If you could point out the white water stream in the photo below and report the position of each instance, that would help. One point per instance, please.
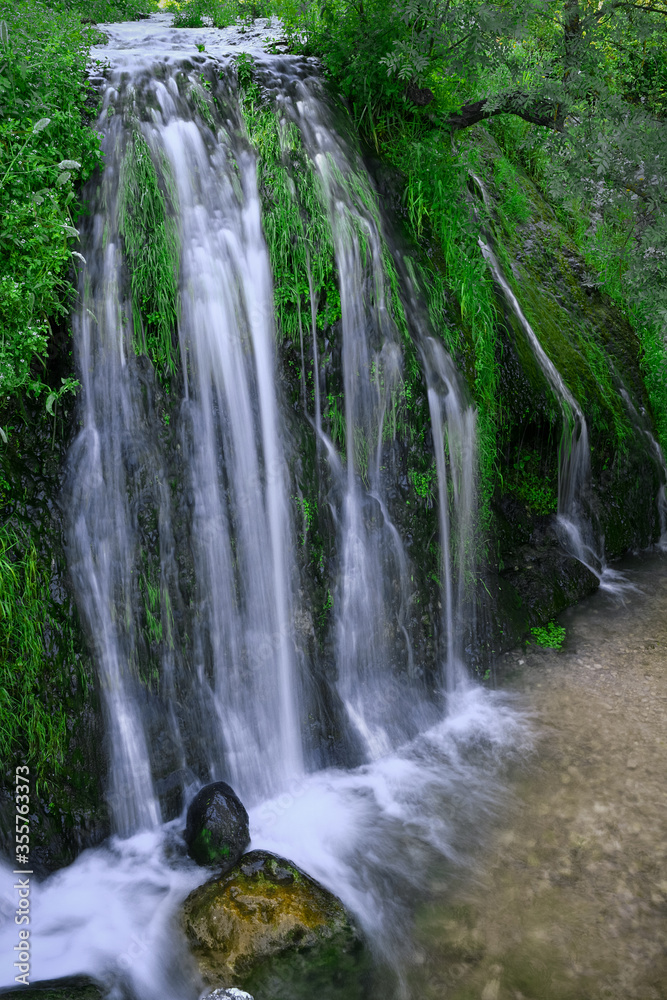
(574, 469)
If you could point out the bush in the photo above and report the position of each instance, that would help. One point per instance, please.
(45, 150)
(218, 13)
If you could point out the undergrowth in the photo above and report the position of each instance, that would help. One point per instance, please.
(46, 150)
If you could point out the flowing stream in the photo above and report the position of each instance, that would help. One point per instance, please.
(427, 749)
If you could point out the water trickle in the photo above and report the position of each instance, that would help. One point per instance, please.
(574, 461)
(661, 499)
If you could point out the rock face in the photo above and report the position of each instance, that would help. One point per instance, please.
(216, 830)
(276, 932)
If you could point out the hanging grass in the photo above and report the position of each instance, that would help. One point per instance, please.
(37, 663)
(152, 252)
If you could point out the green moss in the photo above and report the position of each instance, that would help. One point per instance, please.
(272, 929)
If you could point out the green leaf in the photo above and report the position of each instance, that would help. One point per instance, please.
(69, 165)
(50, 400)
(41, 125)
(63, 178)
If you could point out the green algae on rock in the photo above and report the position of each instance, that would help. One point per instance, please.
(269, 928)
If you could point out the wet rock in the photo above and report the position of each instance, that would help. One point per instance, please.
(216, 830)
(230, 994)
(269, 927)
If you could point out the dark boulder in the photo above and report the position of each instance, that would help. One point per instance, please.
(216, 830)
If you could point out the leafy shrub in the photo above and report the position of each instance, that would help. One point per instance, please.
(99, 11)
(45, 149)
(218, 13)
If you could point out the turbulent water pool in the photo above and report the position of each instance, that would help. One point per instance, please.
(569, 899)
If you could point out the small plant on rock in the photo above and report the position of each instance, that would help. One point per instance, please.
(549, 636)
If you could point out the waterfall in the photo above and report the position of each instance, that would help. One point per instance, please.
(574, 462)
(105, 461)
(178, 509)
(241, 528)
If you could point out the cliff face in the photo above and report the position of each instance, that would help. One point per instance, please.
(51, 710)
(522, 574)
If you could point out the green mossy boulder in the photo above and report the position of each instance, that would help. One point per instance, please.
(269, 928)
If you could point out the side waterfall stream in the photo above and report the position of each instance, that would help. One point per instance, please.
(420, 769)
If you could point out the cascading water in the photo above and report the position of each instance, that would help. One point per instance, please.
(106, 455)
(241, 527)
(451, 417)
(655, 448)
(381, 698)
(574, 468)
(230, 701)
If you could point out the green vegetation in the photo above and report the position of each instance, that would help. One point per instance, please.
(594, 139)
(152, 252)
(308, 511)
(218, 13)
(295, 223)
(45, 147)
(39, 668)
(549, 636)
(423, 482)
(532, 483)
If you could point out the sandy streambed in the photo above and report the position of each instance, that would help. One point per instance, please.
(570, 900)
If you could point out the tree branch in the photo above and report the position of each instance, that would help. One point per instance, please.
(539, 113)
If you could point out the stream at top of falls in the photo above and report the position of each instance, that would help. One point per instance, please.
(423, 769)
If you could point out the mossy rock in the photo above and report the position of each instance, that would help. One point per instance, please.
(70, 988)
(217, 830)
(269, 928)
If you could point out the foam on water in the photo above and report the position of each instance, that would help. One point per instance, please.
(375, 835)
